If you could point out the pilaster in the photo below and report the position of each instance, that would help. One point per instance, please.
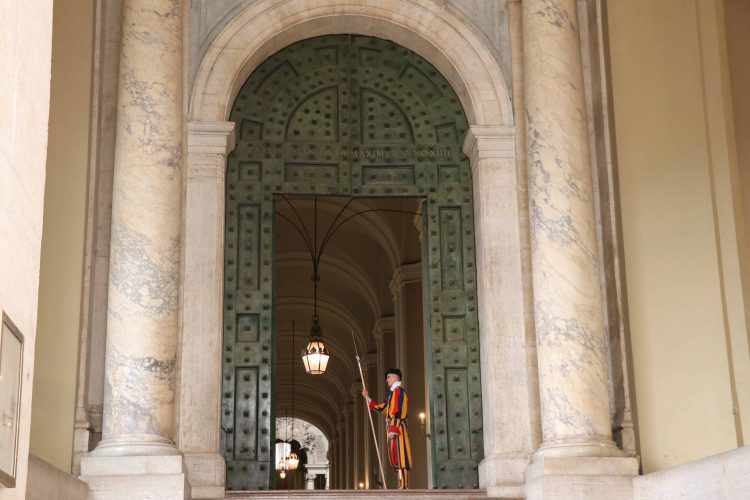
(208, 145)
(507, 353)
(404, 275)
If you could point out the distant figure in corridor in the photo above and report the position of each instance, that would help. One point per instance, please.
(395, 407)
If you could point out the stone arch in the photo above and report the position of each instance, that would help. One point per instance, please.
(463, 58)
(425, 27)
(311, 413)
(389, 100)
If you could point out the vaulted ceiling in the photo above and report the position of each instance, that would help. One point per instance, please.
(353, 293)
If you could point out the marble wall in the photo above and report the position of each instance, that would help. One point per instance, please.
(25, 55)
(63, 239)
(681, 228)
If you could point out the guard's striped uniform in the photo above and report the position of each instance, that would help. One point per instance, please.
(399, 451)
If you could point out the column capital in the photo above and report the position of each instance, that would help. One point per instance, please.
(210, 138)
(370, 359)
(348, 411)
(383, 324)
(356, 389)
(404, 274)
(418, 223)
(496, 141)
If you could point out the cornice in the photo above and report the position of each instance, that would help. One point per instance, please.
(210, 138)
(483, 142)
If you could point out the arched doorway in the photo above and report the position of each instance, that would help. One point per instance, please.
(312, 447)
(361, 117)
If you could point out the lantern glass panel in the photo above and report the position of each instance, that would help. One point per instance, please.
(282, 452)
(292, 461)
(315, 357)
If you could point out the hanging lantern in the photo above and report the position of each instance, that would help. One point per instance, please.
(283, 450)
(282, 474)
(292, 461)
(315, 355)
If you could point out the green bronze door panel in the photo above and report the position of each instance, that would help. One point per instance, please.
(363, 117)
(248, 341)
(454, 369)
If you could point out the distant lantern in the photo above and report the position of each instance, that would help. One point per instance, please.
(292, 461)
(315, 355)
(283, 450)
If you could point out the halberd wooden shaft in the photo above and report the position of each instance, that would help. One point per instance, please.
(369, 414)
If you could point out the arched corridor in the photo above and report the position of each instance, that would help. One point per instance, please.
(376, 128)
(360, 293)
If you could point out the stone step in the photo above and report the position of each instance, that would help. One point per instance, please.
(358, 495)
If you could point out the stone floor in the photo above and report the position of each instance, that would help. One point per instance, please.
(360, 495)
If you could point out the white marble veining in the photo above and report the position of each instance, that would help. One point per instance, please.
(145, 246)
(567, 298)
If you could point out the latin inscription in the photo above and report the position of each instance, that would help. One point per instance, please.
(397, 153)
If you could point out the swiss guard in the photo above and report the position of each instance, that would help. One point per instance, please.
(395, 407)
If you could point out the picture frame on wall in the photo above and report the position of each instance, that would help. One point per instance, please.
(11, 364)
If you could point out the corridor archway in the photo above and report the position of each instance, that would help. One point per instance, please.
(360, 117)
(460, 54)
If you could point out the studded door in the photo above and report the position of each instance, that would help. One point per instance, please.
(364, 117)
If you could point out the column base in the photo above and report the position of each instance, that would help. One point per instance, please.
(135, 445)
(586, 446)
(573, 478)
(207, 474)
(135, 477)
(503, 475)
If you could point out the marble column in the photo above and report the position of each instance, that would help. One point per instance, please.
(413, 358)
(309, 481)
(339, 465)
(405, 276)
(344, 455)
(384, 333)
(567, 297)
(358, 444)
(341, 482)
(349, 431)
(141, 345)
(332, 462)
(571, 341)
(372, 473)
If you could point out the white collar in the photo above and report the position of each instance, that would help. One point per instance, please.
(395, 384)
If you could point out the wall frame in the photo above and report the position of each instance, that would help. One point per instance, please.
(11, 368)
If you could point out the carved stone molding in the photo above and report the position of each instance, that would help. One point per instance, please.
(210, 138)
(483, 142)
